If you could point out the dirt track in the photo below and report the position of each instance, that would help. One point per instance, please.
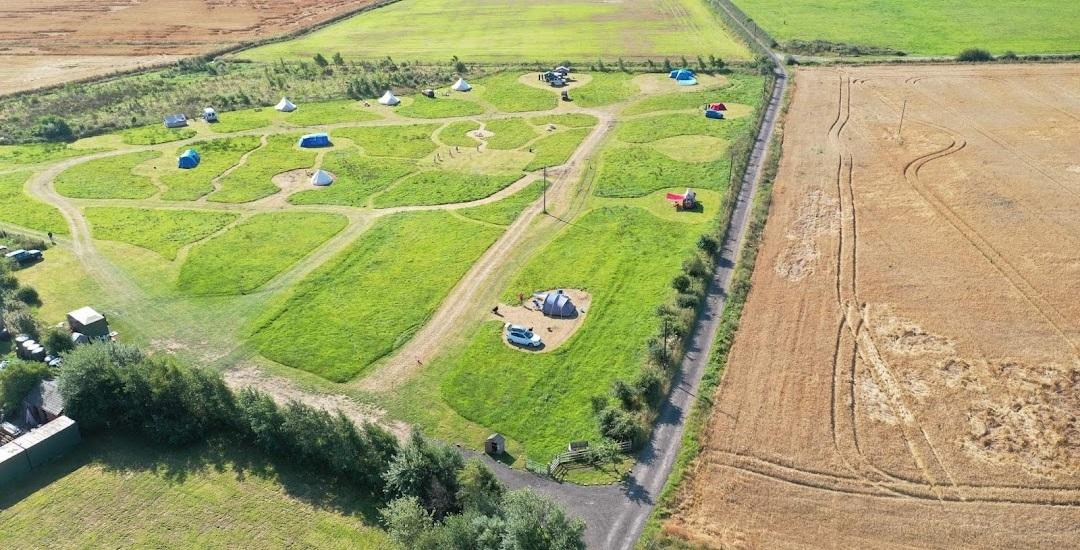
(907, 371)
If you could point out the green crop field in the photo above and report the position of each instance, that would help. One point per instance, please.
(216, 156)
(439, 107)
(408, 141)
(163, 231)
(519, 30)
(108, 178)
(505, 211)
(254, 179)
(373, 296)
(358, 178)
(248, 255)
(155, 134)
(443, 187)
(625, 258)
(113, 492)
(18, 208)
(328, 112)
(456, 134)
(510, 96)
(605, 89)
(510, 133)
(555, 149)
(925, 28)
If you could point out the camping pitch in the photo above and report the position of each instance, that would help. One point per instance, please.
(557, 304)
(461, 85)
(389, 99)
(683, 77)
(285, 105)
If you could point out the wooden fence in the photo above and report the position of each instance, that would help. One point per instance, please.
(563, 461)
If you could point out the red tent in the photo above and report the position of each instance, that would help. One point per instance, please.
(717, 107)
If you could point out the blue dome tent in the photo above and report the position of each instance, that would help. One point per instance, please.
(315, 140)
(714, 114)
(682, 74)
(189, 159)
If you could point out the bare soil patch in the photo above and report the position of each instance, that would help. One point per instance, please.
(907, 371)
(553, 330)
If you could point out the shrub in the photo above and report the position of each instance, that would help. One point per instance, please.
(681, 283)
(27, 295)
(975, 55)
(650, 385)
(54, 128)
(20, 321)
(16, 381)
(57, 340)
(708, 244)
(626, 395)
(696, 267)
(686, 301)
(618, 424)
(428, 471)
(479, 490)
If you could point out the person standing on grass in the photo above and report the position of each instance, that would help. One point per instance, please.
(51, 239)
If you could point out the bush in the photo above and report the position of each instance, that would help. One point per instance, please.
(27, 295)
(479, 490)
(708, 244)
(54, 128)
(16, 381)
(20, 321)
(618, 425)
(650, 385)
(681, 283)
(686, 301)
(428, 471)
(626, 395)
(975, 55)
(57, 340)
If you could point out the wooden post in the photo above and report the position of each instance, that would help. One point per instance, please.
(903, 111)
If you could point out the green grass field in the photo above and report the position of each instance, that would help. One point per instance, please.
(504, 212)
(625, 258)
(605, 89)
(328, 112)
(443, 187)
(248, 255)
(650, 129)
(638, 171)
(740, 89)
(439, 107)
(358, 178)
(510, 96)
(113, 492)
(519, 30)
(163, 231)
(216, 156)
(371, 298)
(154, 134)
(254, 179)
(107, 178)
(569, 120)
(925, 28)
(456, 134)
(555, 149)
(21, 156)
(18, 208)
(407, 141)
(510, 133)
(245, 119)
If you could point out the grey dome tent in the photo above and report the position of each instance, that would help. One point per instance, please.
(557, 304)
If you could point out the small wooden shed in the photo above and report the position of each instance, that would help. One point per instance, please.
(495, 444)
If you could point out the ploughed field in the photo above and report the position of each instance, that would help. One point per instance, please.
(907, 371)
(56, 40)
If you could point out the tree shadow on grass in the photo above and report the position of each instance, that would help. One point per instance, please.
(126, 455)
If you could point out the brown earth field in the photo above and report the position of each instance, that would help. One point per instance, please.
(906, 373)
(45, 42)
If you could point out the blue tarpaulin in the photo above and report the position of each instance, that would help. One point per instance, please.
(315, 140)
(189, 159)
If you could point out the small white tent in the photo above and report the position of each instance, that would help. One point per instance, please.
(321, 177)
(285, 105)
(389, 98)
(461, 85)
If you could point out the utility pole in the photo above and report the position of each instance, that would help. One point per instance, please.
(903, 111)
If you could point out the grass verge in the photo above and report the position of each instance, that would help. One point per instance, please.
(163, 231)
(107, 178)
(18, 208)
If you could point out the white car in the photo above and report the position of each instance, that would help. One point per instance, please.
(522, 336)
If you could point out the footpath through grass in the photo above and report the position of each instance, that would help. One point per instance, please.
(17, 156)
(216, 156)
(254, 179)
(371, 298)
(508, 95)
(625, 257)
(518, 31)
(23, 210)
(638, 171)
(456, 133)
(443, 187)
(163, 231)
(510, 133)
(505, 211)
(114, 492)
(107, 178)
(407, 141)
(358, 178)
(918, 27)
(248, 255)
(556, 149)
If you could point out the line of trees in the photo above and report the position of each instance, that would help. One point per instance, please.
(434, 498)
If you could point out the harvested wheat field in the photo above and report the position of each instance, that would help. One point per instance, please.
(53, 41)
(907, 371)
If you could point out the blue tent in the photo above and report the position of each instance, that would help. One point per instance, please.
(315, 140)
(714, 114)
(682, 74)
(189, 159)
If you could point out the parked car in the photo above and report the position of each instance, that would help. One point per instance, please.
(522, 336)
(10, 429)
(23, 257)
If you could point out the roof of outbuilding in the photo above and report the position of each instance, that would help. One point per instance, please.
(86, 316)
(46, 396)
